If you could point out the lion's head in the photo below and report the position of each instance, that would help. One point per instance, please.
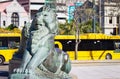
(43, 18)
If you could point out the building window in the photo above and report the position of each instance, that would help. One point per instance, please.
(118, 19)
(4, 23)
(24, 23)
(15, 19)
(110, 20)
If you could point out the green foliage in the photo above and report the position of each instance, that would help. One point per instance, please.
(86, 27)
(10, 27)
(66, 28)
(69, 28)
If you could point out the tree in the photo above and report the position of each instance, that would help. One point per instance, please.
(81, 23)
(66, 28)
(82, 15)
(86, 27)
(77, 31)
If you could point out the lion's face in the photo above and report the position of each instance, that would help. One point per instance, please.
(46, 19)
(49, 16)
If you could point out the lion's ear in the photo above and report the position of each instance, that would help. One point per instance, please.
(44, 8)
(41, 9)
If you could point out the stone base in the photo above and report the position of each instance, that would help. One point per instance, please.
(30, 76)
(26, 76)
(42, 75)
(19, 76)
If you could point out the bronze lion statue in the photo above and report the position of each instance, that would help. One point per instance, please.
(40, 53)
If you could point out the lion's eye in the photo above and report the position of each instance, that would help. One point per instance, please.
(45, 15)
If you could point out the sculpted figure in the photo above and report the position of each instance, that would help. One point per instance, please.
(24, 37)
(40, 53)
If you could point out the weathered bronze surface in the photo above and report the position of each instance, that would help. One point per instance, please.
(41, 60)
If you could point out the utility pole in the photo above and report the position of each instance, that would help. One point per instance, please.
(119, 24)
(100, 18)
(93, 24)
(101, 14)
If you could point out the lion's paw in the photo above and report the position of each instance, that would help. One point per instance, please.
(18, 70)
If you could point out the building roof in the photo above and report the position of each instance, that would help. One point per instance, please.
(25, 4)
(3, 6)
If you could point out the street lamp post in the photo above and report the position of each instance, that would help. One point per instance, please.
(119, 25)
(93, 24)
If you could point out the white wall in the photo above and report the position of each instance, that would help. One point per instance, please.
(109, 10)
(16, 7)
(37, 7)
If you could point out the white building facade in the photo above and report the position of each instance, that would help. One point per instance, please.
(112, 17)
(12, 12)
(26, 9)
(62, 8)
(35, 5)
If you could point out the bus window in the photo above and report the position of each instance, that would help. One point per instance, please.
(3, 43)
(0, 43)
(9, 43)
(117, 46)
(13, 42)
(107, 45)
(90, 45)
(13, 45)
(65, 45)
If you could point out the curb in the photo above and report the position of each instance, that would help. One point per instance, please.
(94, 61)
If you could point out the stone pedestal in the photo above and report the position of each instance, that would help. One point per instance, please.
(14, 64)
(26, 76)
(30, 76)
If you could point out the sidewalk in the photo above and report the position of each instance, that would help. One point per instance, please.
(107, 69)
(94, 61)
(99, 71)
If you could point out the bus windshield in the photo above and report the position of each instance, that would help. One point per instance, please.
(9, 42)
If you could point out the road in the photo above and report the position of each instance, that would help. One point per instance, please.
(96, 69)
(84, 70)
(97, 72)
(4, 71)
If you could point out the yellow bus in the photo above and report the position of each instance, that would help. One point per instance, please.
(9, 43)
(93, 46)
